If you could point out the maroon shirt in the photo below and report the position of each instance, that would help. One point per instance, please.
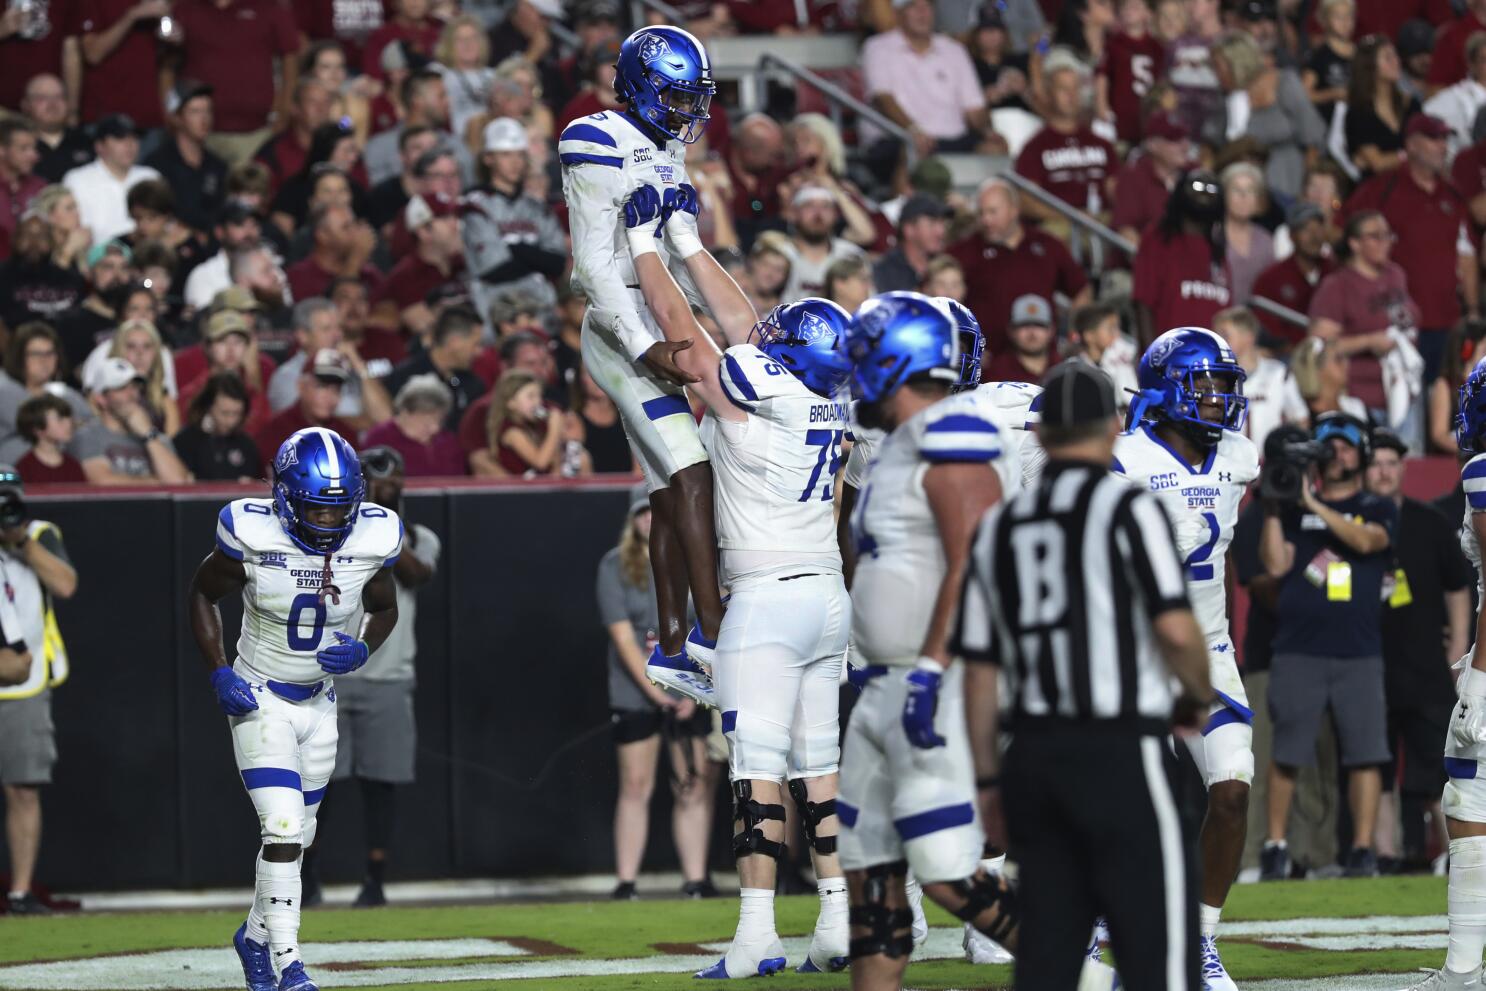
(411, 280)
(423, 37)
(1132, 66)
(1007, 367)
(440, 456)
(40, 51)
(15, 199)
(1284, 283)
(1140, 195)
(126, 81)
(349, 22)
(277, 430)
(307, 278)
(382, 350)
(33, 472)
(1427, 225)
(284, 156)
(232, 49)
(1448, 65)
(1069, 166)
(1366, 306)
(996, 275)
(1469, 171)
(1178, 280)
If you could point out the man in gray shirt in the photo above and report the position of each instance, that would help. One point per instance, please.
(124, 446)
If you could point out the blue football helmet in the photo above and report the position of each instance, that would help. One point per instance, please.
(665, 78)
(1178, 374)
(808, 337)
(972, 342)
(1470, 422)
(896, 335)
(315, 467)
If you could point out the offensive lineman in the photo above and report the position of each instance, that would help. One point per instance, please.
(664, 81)
(1184, 442)
(774, 431)
(314, 566)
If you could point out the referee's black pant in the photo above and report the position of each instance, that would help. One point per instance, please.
(1095, 829)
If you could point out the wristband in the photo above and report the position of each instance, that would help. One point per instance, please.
(927, 663)
(684, 240)
(641, 241)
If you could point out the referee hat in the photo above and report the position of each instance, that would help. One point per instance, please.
(1075, 393)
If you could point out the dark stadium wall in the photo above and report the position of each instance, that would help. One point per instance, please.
(516, 773)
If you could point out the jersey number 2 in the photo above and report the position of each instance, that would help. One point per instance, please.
(303, 601)
(829, 442)
(1197, 567)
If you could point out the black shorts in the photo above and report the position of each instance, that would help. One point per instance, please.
(634, 725)
(1415, 735)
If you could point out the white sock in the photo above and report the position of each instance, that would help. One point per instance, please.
(755, 915)
(1208, 917)
(1282, 844)
(834, 905)
(257, 929)
(278, 899)
(1467, 904)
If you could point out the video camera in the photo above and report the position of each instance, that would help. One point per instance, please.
(1288, 453)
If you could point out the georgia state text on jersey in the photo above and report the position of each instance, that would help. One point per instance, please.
(900, 560)
(776, 471)
(1203, 504)
(294, 601)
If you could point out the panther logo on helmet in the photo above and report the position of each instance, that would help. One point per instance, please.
(812, 328)
(654, 47)
(1161, 349)
(288, 457)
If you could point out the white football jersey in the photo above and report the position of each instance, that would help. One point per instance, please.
(775, 472)
(1274, 400)
(1202, 502)
(1473, 480)
(286, 621)
(900, 560)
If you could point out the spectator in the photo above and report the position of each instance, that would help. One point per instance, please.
(410, 24)
(426, 104)
(1003, 260)
(37, 572)
(389, 197)
(325, 62)
(1450, 64)
(32, 41)
(1427, 624)
(343, 247)
(284, 154)
(594, 422)
(381, 349)
(1322, 188)
(418, 429)
(152, 210)
(237, 228)
(926, 84)
(102, 186)
(33, 367)
(215, 445)
(1094, 330)
(1273, 395)
(1181, 273)
(70, 239)
(1144, 184)
(526, 32)
(1462, 350)
(18, 183)
(1294, 281)
(813, 246)
(45, 423)
(922, 226)
(1429, 221)
(435, 173)
(1132, 60)
(1269, 104)
(333, 149)
(1458, 104)
(512, 242)
(768, 270)
(123, 446)
(848, 283)
(944, 277)
(596, 70)
(61, 147)
(1066, 157)
(645, 716)
(819, 159)
(320, 387)
(232, 45)
(597, 25)
(453, 343)
(756, 168)
(1081, 27)
(463, 58)
(527, 437)
(108, 283)
(229, 349)
(1416, 52)
(1000, 67)
(255, 269)
(1377, 107)
(1468, 174)
(1321, 374)
(1248, 247)
(1328, 647)
(120, 61)
(1189, 66)
(138, 342)
(32, 286)
(516, 92)
(336, 24)
(522, 351)
(1328, 68)
(1031, 338)
(317, 328)
(437, 260)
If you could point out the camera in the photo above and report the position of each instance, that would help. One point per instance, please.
(1288, 453)
(12, 508)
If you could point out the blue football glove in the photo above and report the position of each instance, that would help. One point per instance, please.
(686, 200)
(233, 693)
(645, 211)
(921, 705)
(344, 656)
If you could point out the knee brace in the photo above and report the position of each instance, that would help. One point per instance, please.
(812, 814)
(983, 892)
(889, 930)
(750, 838)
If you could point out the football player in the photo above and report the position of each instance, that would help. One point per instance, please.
(314, 566)
(776, 418)
(1184, 442)
(665, 85)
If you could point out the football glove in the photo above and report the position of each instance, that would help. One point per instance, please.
(922, 703)
(644, 218)
(344, 656)
(234, 694)
(681, 221)
(1468, 721)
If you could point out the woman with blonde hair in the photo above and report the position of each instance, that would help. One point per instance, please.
(1270, 105)
(1320, 371)
(515, 91)
(462, 57)
(139, 343)
(526, 436)
(70, 238)
(821, 157)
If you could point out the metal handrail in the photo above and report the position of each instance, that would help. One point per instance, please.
(841, 96)
(636, 9)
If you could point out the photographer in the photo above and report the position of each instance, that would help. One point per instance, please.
(1328, 549)
(34, 569)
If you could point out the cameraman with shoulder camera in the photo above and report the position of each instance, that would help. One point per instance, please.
(1327, 547)
(34, 569)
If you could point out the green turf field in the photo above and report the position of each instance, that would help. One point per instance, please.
(1309, 936)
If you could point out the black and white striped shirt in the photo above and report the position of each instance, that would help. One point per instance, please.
(1063, 582)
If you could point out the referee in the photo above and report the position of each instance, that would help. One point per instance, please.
(1076, 592)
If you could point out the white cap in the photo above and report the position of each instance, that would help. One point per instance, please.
(506, 134)
(111, 373)
(547, 8)
(812, 194)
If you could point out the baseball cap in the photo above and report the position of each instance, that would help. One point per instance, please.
(111, 373)
(933, 177)
(113, 247)
(1161, 124)
(183, 92)
(421, 209)
(1257, 10)
(506, 306)
(1075, 393)
(1387, 439)
(328, 364)
(596, 11)
(1301, 214)
(1031, 309)
(812, 194)
(919, 205)
(235, 211)
(1428, 125)
(224, 322)
(547, 8)
(1415, 37)
(639, 498)
(115, 126)
(238, 298)
(505, 134)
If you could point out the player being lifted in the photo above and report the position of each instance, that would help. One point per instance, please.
(665, 85)
(776, 418)
(907, 788)
(1184, 442)
(314, 566)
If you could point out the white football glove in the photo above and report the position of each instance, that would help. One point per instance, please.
(1468, 721)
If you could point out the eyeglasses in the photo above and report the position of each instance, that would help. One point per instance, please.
(48, 353)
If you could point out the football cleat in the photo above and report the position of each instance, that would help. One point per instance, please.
(295, 979)
(703, 652)
(830, 947)
(1445, 979)
(1274, 862)
(1214, 976)
(981, 949)
(681, 674)
(744, 964)
(257, 965)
